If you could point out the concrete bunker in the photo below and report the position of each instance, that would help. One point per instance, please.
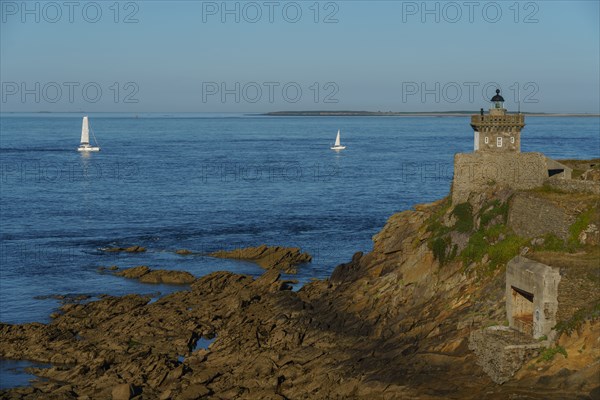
(531, 296)
(558, 170)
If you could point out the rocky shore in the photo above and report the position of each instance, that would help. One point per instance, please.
(390, 324)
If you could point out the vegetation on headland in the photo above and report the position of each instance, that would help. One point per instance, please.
(486, 229)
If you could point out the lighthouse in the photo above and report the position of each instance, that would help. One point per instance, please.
(497, 131)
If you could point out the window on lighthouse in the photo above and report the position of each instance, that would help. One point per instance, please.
(487, 140)
(499, 141)
(512, 139)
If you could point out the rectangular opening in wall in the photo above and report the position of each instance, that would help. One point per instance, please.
(552, 172)
(499, 141)
(522, 310)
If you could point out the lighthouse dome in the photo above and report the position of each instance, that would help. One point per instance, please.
(497, 97)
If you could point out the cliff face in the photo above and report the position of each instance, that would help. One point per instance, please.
(393, 323)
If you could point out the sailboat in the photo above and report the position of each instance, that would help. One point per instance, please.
(337, 145)
(85, 137)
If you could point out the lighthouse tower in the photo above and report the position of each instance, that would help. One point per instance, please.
(497, 131)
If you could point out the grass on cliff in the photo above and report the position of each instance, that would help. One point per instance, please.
(439, 241)
(563, 197)
(581, 223)
(572, 243)
(434, 223)
(497, 241)
(492, 237)
(493, 209)
(464, 218)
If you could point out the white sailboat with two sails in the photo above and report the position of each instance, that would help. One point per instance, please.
(85, 137)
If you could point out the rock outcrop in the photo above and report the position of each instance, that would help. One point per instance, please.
(284, 259)
(147, 275)
(131, 249)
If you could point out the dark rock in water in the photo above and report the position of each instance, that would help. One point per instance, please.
(184, 252)
(171, 277)
(146, 275)
(280, 258)
(134, 273)
(131, 249)
(111, 268)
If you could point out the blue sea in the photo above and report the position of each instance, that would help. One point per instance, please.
(205, 182)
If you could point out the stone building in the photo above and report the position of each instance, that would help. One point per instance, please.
(497, 157)
(497, 131)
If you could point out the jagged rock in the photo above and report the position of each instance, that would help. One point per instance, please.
(590, 235)
(146, 275)
(194, 391)
(124, 391)
(169, 277)
(592, 174)
(134, 273)
(281, 258)
(347, 272)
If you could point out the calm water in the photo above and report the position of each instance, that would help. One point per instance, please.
(208, 182)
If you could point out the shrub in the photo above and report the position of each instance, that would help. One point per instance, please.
(434, 223)
(475, 249)
(549, 353)
(464, 217)
(554, 243)
(439, 247)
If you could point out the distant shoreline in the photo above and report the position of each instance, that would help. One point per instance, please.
(404, 114)
(299, 113)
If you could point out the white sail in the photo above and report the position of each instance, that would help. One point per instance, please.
(85, 131)
(337, 139)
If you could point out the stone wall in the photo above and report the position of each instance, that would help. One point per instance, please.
(502, 351)
(474, 172)
(574, 185)
(531, 216)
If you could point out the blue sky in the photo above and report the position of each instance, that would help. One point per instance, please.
(194, 56)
